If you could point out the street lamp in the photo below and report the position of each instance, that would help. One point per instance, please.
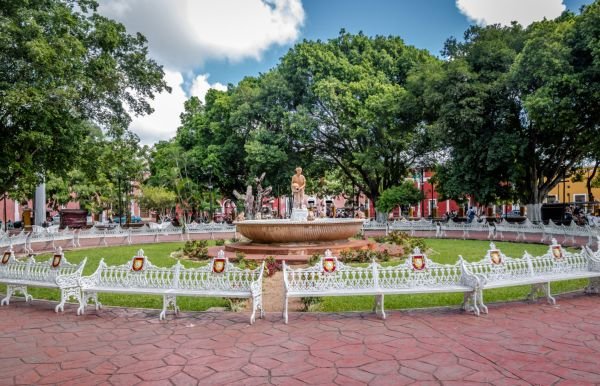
(119, 197)
(422, 194)
(210, 199)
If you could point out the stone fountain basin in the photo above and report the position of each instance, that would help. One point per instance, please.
(285, 231)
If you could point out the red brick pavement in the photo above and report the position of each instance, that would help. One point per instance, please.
(517, 343)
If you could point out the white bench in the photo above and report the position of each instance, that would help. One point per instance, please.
(464, 227)
(330, 277)
(57, 272)
(217, 279)
(497, 270)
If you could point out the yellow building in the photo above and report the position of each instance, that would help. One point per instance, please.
(572, 190)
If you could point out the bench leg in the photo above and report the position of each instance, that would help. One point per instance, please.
(168, 301)
(85, 299)
(285, 309)
(257, 305)
(11, 290)
(480, 303)
(593, 286)
(541, 288)
(65, 295)
(378, 307)
(470, 302)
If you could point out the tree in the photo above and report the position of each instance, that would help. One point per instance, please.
(157, 198)
(353, 109)
(62, 65)
(517, 108)
(404, 194)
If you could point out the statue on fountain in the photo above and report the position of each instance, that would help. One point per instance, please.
(299, 212)
(252, 204)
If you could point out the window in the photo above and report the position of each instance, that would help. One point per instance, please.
(579, 198)
(552, 199)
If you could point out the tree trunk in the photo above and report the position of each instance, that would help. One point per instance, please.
(589, 180)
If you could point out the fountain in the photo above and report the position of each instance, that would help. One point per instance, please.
(297, 238)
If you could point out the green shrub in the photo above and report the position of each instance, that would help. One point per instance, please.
(219, 242)
(311, 304)
(196, 250)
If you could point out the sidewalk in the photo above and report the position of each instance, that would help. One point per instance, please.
(517, 343)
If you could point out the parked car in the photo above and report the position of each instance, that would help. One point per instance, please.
(134, 220)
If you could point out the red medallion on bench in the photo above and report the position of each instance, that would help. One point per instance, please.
(418, 262)
(495, 257)
(138, 263)
(557, 252)
(329, 264)
(5, 257)
(218, 265)
(56, 260)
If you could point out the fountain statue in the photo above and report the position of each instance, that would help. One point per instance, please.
(299, 212)
(253, 205)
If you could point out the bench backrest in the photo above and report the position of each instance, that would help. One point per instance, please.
(39, 271)
(328, 274)
(220, 274)
(140, 273)
(419, 271)
(496, 266)
(557, 260)
(136, 273)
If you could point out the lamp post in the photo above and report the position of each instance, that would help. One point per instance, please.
(431, 205)
(422, 194)
(119, 197)
(210, 199)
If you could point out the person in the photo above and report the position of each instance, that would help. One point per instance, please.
(471, 215)
(298, 185)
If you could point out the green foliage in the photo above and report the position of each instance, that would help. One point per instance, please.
(314, 259)
(244, 263)
(518, 108)
(157, 198)
(196, 249)
(403, 194)
(363, 256)
(403, 239)
(219, 242)
(311, 304)
(63, 66)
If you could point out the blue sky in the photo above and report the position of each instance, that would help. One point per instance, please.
(423, 24)
(211, 43)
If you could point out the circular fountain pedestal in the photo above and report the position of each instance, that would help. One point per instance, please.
(296, 241)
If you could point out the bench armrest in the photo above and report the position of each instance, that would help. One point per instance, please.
(468, 278)
(71, 280)
(256, 285)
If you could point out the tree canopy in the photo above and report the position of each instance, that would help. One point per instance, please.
(64, 68)
(518, 108)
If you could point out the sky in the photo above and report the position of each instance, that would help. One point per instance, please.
(205, 44)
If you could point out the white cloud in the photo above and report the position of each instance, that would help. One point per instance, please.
(183, 34)
(163, 123)
(200, 86)
(486, 12)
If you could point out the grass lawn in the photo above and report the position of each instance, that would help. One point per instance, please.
(446, 251)
(158, 254)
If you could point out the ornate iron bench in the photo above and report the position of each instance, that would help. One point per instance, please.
(418, 274)
(497, 270)
(330, 277)
(57, 272)
(463, 227)
(217, 279)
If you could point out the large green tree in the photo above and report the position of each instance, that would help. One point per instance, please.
(354, 108)
(63, 65)
(518, 108)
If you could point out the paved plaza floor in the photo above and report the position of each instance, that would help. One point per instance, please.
(517, 343)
